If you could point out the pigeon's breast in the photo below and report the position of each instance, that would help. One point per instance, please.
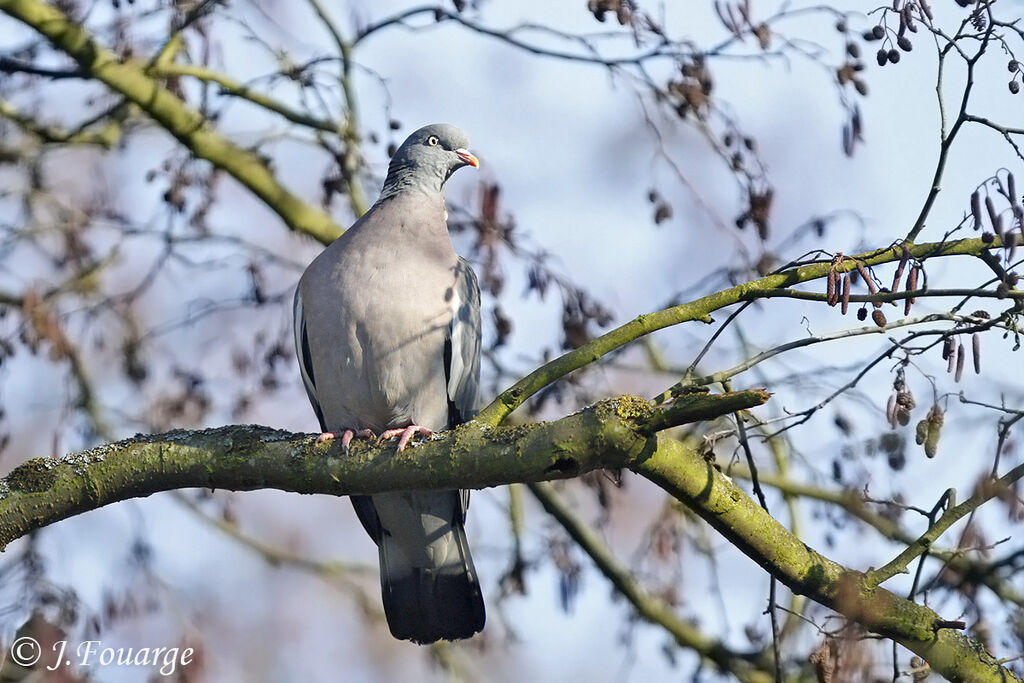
(386, 314)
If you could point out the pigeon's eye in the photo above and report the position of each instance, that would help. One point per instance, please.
(432, 141)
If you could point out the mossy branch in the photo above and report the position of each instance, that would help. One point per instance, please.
(685, 474)
(696, 407)
(233, 88)
(701, 309)
(609, 434)
(130, 79)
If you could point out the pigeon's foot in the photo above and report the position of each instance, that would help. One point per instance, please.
(346, 437)
(404, 434)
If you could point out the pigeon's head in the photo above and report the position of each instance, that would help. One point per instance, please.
(427, 159)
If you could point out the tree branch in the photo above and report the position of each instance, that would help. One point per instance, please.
(746, 668)
(106, 137)
(954, 514)
(241, 91)
(697, 483)
(130, 79)
(701, 309)
(610, 434)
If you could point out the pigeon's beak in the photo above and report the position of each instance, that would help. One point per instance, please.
(467, 157)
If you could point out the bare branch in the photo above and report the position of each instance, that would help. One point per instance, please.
(129, 78)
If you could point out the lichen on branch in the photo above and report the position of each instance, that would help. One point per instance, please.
(610, 434)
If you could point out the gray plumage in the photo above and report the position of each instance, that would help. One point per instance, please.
(387, 330)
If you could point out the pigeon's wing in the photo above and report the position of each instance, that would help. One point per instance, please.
(462, 350)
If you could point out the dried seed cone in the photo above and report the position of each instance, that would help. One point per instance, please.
(903, 416)
(921, 432)
(878, 317)
(935, 420)
(905, 399)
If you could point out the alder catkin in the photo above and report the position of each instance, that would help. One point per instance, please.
(867, 279)
(846, 293)
(899, 269)
(976, 208)
(911, 286)
(961, 356)
(991, 208)
(976, 350)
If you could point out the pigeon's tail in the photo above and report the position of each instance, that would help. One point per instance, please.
(427, 604)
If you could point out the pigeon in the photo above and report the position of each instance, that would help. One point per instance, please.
(387, 334)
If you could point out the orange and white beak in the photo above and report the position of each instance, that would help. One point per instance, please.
(467, 157)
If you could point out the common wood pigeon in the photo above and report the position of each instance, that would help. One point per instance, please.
(387, 332)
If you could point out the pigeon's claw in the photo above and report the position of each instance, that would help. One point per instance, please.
(404, 434)
(346, 437)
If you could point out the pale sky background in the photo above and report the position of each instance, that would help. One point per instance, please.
(568, 145)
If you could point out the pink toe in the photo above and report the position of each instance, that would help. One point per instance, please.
(411, 431)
